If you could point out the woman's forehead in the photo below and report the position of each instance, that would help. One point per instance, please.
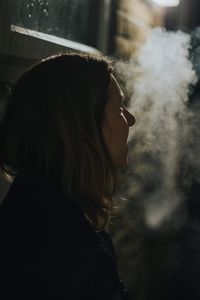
(115, 87)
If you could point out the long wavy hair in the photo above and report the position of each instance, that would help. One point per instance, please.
(53, 126)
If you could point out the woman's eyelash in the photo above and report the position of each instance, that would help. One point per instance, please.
(123, 105)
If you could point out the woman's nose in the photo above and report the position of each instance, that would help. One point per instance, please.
(130, 118)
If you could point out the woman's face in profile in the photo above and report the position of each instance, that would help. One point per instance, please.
(115, 128)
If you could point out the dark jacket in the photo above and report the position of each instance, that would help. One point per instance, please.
(49, 250)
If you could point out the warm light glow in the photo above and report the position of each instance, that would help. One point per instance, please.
(167, 2)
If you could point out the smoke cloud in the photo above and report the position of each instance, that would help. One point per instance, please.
(159, 80)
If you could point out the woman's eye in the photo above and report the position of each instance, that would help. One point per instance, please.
(122, 106)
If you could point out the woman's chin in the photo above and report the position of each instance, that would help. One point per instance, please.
(122, 163)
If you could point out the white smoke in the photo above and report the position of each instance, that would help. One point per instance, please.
(159, 79)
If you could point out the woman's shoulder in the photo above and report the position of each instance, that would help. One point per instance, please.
(50, 234)
(30, 194)
(36, 212)
(40, 201)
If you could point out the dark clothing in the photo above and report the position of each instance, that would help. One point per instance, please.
(50, 251)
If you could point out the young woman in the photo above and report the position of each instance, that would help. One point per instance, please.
(63, 135)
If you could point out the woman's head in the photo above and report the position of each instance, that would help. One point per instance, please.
(53, 127)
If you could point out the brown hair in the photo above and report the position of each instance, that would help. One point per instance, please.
(52, 126)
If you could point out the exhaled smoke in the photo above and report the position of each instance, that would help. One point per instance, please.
(159, 79)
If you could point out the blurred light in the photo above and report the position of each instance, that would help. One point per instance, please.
(167, 3)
